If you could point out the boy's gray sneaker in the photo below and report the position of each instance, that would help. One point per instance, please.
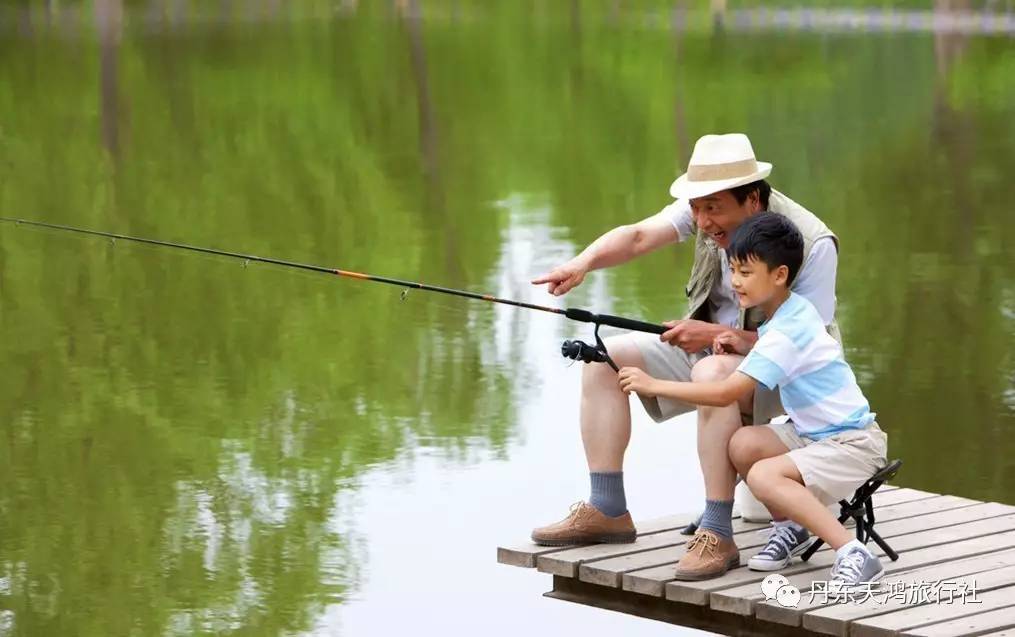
(784, 542)
(854, 568)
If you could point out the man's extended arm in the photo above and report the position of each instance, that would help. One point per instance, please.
(617, 246)
(624, 243)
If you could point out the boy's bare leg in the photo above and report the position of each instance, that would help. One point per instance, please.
(778, 484)
(753, 444)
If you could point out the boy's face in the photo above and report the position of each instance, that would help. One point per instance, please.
(719, 214)
(754, 282)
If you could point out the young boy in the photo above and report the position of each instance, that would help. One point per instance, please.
(830, 446)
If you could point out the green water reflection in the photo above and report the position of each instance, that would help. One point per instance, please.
(178, 431)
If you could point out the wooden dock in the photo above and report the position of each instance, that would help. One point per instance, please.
(955, 576)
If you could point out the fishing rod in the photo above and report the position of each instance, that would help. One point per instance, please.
(575, 350)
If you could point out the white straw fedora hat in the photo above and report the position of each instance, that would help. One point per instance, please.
(719, 162)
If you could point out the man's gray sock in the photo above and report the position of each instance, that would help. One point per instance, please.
(608, 493)
(718, 517)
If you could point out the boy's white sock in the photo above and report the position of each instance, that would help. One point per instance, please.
(849, 546)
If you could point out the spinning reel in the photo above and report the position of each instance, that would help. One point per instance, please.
(580, 350)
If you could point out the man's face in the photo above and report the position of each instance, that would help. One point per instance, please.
(754, 282)
(719, 214)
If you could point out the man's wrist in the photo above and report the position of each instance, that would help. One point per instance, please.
(716, 331)
(583, 261)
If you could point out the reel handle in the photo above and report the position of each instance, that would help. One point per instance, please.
(578, 314)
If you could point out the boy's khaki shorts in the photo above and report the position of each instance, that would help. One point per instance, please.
(834, 467)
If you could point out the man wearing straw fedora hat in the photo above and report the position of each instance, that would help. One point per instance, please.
(723, 186)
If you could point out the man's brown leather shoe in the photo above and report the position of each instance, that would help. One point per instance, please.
(708, 555)
(586, 524)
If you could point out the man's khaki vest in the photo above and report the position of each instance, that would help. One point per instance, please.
(706, 272)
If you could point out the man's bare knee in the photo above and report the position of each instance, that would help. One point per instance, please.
(716, 368)
(713, 368)
(600, 376)
(624, 351)
(597, 377)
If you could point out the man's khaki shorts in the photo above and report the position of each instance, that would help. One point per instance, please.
(834, 467)
(665, 362)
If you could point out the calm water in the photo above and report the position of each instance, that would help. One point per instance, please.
(191, 447)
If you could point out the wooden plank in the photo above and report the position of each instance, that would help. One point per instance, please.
(525, 554)
(566, 563)
(885, 496)
(939, 519)
(833, 619)
(945, 548)
(893, 624)
(921, 551)
(652, 580)
(999, 617)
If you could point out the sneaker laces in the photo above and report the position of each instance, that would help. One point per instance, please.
(767, 531)
(780, 537)
(848, 569)
(703, 542)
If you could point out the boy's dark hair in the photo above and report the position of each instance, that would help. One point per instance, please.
(764, 190)
(771, 238)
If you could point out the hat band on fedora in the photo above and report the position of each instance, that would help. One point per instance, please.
(719, 172)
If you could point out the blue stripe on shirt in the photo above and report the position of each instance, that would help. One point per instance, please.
(816, 386)
(762, 369)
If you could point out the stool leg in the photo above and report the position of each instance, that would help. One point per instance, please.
(860, 531)
(811, 549)
(884, 545)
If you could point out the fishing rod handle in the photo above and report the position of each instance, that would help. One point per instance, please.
(577, 314)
